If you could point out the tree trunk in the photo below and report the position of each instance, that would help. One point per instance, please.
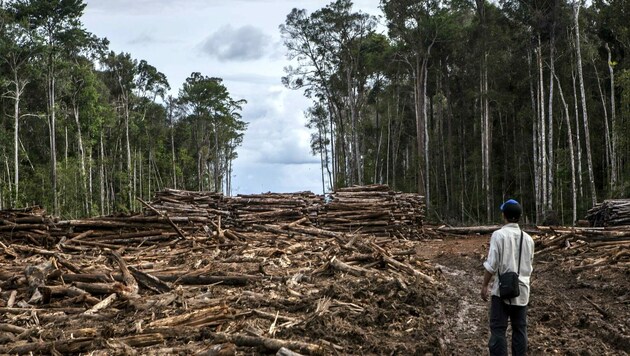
(419, 96)
(535, 123)
(335, 167)
(16, 138)
(102, 173)
(138, 171)
(173, 153)
(128, 149)
(484, 113)
(487, 141)
(52, 132)
(613, 126)
(389, 143)
(82, 157)
(552, 73)
(321, 155)
(577, 136)
(217, 179)
(571, 153)
(90, 183)
(589, 159)
(355, 166)
(607, 138)
(379, 143)
(544, 164)
(426, 132)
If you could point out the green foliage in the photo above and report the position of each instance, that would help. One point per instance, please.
(217, 127)
(457, 39)
(43, 42)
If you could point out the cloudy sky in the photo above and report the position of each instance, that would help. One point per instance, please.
(239, 41)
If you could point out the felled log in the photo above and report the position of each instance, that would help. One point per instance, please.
(67, 291)
(214, 315)
(269, 344)
(149, 281)
(469, 230)
(141, 340)
(102, 304)
(131, 286)
(343, 267)
(11, 328)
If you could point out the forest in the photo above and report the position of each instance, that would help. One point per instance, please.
(465, 102)
(470, 102)
(85, 130)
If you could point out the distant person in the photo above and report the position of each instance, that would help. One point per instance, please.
(503, 257)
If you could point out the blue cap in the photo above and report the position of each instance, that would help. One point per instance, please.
(508, 202)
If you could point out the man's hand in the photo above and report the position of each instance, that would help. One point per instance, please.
(484, 292)
(487, 276)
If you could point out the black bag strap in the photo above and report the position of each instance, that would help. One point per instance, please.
(520, 249)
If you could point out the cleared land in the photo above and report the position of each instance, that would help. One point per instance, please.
(188, 284)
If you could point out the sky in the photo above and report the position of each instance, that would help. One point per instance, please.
(239, 41)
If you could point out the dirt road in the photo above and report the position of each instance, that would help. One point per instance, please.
(561, 320)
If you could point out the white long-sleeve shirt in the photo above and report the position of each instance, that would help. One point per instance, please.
(503, 257)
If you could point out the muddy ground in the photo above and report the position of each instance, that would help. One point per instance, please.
(560, 320)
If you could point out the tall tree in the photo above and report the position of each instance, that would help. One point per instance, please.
(217, 128)
(58, 27)
(121, 72)
(328, 47)
(17, 49)
(587, 136)
(418, 25)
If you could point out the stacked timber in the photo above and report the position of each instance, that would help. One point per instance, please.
(37, 228)
(273, 208)
(374, 210)
(614, 212)
(175, 202)
(281, 289)
(29, 223)
(366, 210)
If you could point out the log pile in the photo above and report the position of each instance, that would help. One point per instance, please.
(134, 285)
(614, 212)
(273, 208)
(587, 249)
(176, 202)
(33, 225)
(374, 210)
(366, 210)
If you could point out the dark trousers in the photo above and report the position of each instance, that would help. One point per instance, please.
(499, 314)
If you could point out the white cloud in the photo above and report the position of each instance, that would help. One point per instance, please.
(241, 44)
(275, 155)
(263, 177)
(276, 132)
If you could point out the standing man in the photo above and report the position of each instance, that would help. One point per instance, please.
(503, 257)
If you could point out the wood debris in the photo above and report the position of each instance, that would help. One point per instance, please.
(245, 277)
(587, 248)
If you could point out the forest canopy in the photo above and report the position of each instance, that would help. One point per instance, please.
(470, 103)
(85, 130)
